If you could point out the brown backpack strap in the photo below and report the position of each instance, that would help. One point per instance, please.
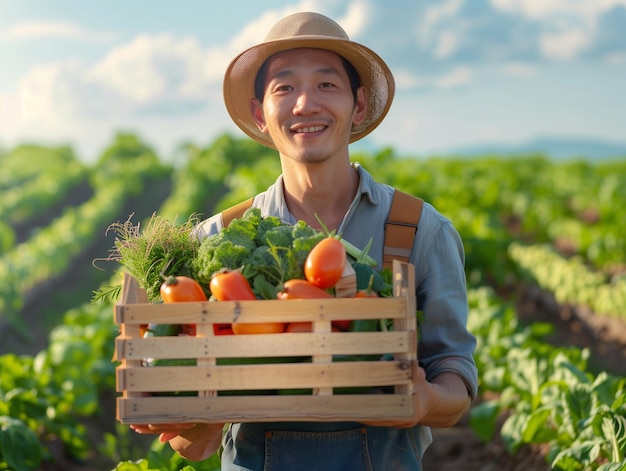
(401, 227)
(235, 211)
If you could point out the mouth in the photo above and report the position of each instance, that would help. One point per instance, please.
(309, 129)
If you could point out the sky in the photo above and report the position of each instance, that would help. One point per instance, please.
(467, 72)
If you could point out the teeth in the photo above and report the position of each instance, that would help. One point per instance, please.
(311, 129)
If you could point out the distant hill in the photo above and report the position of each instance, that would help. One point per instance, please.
(554, 147)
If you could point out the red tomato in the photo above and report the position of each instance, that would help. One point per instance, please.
(231, 285)
(325, 263)
(343, 326)
(301, 289)
(182, 289)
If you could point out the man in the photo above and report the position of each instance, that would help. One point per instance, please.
(308, 91)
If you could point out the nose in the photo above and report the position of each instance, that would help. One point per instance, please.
(306, 103)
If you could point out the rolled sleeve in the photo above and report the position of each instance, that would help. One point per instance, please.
(444, 343)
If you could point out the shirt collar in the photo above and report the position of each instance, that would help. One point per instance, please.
(367, 185)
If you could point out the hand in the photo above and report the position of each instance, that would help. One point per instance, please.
(195, 442)
(166, 431)
(439, 403)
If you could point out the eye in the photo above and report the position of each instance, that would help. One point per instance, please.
(327, 85)
(281, 88)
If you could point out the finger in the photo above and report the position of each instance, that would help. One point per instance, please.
(167, 436)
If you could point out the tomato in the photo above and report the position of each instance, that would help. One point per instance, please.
(258, 328)
(325, 263)
(300, 327)
(182, 289)
(231, 285)
(366, 293)
(343, 326)
(301, 289)
(307, 327)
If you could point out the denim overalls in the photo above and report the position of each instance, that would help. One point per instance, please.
(325, 446)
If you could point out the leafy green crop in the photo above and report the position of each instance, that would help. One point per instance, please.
(267, 251)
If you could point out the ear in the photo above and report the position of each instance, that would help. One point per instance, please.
(256, 108)
(360, 106)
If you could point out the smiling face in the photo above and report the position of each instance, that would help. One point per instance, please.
(308, 106)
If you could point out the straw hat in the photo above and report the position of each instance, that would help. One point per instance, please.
(307, 30)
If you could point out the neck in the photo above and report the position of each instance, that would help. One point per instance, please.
(322, 191)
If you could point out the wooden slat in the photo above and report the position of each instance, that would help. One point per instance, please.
(262, 311)
(146, 410)
(265, 345)
(254, 377)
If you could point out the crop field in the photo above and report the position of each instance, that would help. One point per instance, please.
(545, 244)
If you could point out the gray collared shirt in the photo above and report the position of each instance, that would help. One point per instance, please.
(445, 344)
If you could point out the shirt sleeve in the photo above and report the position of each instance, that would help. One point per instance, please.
(444, 342)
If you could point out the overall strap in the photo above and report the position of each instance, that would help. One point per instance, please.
(236, 211)
(401, 227)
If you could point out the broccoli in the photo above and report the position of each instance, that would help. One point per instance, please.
(279, 236)
(265, 224)
(267, 251)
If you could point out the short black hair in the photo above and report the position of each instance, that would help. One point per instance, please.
(353, 77)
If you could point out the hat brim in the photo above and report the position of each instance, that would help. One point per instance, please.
(241, 73)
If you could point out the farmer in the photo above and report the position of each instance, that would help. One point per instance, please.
(308, 91)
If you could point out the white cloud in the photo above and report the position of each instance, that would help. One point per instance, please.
(442, 11)
(446, 44)
(519, 69)
(541, 9)
(47, 29)
(428, 28)
(152, 68)
(458, 76)
(567, 28)
(564, 45)
(356, 18)
(407, 80)
(616, 58)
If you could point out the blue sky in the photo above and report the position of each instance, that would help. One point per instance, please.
(468, 72)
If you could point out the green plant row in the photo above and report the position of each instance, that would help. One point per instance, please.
(38, 195)
(545, 393)
(50, 251)
(92, 327)
(43, 398)
(26, 163)
(520, 198)
(570, 279)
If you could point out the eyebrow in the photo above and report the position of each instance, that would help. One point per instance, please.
(322, 70)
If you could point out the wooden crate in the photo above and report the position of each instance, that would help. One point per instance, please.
(209, 385)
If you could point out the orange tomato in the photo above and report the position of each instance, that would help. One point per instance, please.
(301, 289)
(299, 327)
(325, 263)
(306, 327)
(182, 289)
(231, 285)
